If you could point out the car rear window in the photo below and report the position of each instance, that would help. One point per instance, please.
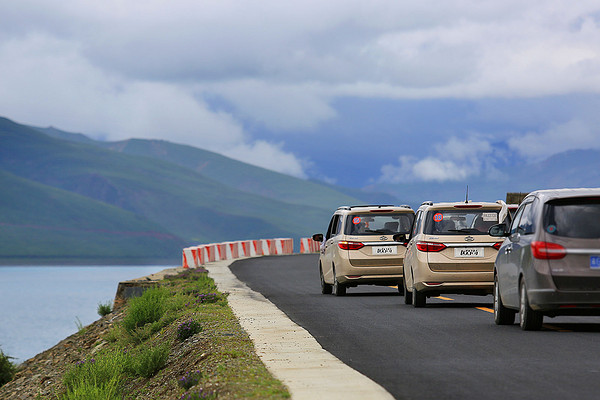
(460, 222)
(574, 218)
(378, 224)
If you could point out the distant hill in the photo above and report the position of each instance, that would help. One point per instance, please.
(41, 222)
(190, 195)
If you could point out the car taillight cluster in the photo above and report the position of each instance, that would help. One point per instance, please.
(345, 245)
(547, 251)
(430, 246)
(497, 245)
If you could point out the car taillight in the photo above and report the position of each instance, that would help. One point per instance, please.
(345, 245)
(430, 246)
(497, 245)
(547, 251)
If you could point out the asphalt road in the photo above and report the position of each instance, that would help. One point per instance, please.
(449, 350)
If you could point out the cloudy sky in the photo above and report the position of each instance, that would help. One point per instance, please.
(351, 92)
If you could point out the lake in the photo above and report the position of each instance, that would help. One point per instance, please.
(40, 306)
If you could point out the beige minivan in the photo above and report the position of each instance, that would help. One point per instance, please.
(450, 250)
(361, 247)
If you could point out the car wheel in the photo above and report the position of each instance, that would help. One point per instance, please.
(401, 287)
(530, 320)
(325, 287)
(502, 315)
(339, 289)
(407, 293)
(418, 298)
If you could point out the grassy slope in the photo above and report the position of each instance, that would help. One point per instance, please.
(183, 201)
(230, 172)
(40, 221)
(238, 175)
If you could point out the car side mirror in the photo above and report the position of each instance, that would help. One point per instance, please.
(401, 237)
(317, 237)
(498, 230)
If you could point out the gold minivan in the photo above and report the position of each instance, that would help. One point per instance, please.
(361, 247)
(451, 251)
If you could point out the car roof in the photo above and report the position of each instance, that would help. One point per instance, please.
(374, 208)
(458, 204)
(551, 194)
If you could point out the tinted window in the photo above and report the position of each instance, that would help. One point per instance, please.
(378, 224)
(460, 222)
(332, 226)
(575, 218)
(417, 223)
(515, 222)
(527, 222)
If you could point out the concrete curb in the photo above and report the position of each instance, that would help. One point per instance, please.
(291, 354)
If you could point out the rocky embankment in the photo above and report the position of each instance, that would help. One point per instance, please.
(42, 374)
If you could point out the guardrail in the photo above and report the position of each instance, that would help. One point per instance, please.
(195, 256)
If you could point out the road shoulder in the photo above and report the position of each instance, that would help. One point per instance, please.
(288, 350)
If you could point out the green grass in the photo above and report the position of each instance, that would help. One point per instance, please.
(104, 308)
(7, 368)
(217, 362)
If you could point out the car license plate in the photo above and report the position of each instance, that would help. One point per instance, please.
(595, 262)
(468, 252)
(384, 250)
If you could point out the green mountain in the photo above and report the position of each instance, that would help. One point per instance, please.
(186, 194)
(39, 222)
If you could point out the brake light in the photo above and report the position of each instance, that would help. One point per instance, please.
(380, 210)
(468, 206)
(430, 246)
(497, 245)
(345, 245)
(547, 251)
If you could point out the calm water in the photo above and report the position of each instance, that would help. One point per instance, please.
(40, 306)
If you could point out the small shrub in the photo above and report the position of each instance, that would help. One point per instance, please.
(7, 368)
(151, 360)
(100, 374)
(199, 395)
(208, 298)
(80, 326)
(147, 308)
(187, 329)
(104, 308)
(90, 391)
(189, 380)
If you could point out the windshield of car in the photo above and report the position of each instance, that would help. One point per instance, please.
(574, 218)
(378, 224)
(460, 222)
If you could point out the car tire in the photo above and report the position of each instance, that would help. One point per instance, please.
(407, 293)
(502, 315)
(529, 319)
(325, 287)
(401, 287)
(418, 298)
(339, 289)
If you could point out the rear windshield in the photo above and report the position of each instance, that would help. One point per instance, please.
(574, 218)
(460, 222)
(378, 224)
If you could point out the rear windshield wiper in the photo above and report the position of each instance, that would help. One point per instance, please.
(460, 230)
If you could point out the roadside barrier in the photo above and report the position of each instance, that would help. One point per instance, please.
(195, 256)
(308, 245)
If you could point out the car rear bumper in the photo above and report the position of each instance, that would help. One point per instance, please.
(456, 287)
(384, 280)
(553, 302)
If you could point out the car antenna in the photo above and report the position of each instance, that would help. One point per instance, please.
(467, 195)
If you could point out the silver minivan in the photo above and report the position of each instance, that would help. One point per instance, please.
(549, 263)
